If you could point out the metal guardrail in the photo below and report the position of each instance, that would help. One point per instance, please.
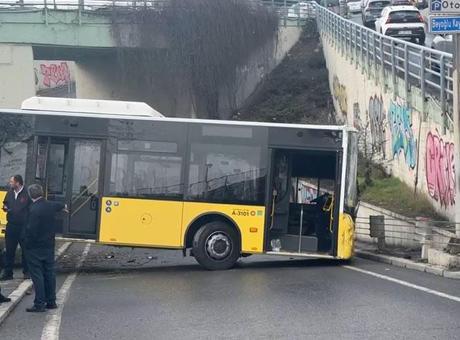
(380, 56)
(411, 234)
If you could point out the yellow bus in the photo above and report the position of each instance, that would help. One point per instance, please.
(221, 189)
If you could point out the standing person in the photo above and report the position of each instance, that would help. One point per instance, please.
(39, 243)
(16, 206)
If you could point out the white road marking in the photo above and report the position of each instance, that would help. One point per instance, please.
(53, 319)
(17, 295)
(405, 283)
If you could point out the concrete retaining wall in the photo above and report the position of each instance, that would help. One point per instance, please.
(411, 137)
(99, 78)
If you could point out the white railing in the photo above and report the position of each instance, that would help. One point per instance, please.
(383, 56)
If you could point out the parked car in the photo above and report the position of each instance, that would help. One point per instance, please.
(372, 10)
(302, 10)
(354, 6)
(404, 22)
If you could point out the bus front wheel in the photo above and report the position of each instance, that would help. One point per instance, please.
(216, 246)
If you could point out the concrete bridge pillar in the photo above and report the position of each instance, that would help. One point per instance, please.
(17, 78)
(96, 78)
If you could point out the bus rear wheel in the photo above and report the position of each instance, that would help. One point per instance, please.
(216, 246)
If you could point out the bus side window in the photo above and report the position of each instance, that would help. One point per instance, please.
(226, 173)
(146, 169)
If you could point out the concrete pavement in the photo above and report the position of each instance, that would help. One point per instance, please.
(148, 294)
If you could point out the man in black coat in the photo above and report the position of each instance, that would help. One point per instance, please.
(39, 243)
(16, 206)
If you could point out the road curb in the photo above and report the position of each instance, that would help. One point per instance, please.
(404, 263)
(18, 294)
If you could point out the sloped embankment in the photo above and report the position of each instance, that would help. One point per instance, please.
(297, 91)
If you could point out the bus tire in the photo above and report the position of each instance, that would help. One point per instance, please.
(216, 246)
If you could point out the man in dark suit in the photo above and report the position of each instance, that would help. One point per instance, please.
(39, 243)
(16, 206)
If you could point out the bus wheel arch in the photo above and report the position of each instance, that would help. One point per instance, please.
(215, 241)
(201, 220)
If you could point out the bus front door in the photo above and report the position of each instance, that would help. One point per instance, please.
(304, 188)
(69, 170)
(84, 186)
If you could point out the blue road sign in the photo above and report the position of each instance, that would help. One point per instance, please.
(444, 24)
(436, 6)
(444, 6)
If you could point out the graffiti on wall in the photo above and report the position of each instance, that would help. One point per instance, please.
(55, 74)
(52, 73)
(377, 123)
(340, 95)
(402, 134)
(440, 169)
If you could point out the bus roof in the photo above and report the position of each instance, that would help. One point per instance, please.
(179, 120)
(90, 106)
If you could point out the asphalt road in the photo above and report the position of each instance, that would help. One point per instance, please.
(142, 294)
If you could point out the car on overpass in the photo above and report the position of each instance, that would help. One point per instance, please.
(401, 3)
(354, 6)
(444, 43)
(302, 10)
(404, 22)
(329, 3)
(371, 10)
